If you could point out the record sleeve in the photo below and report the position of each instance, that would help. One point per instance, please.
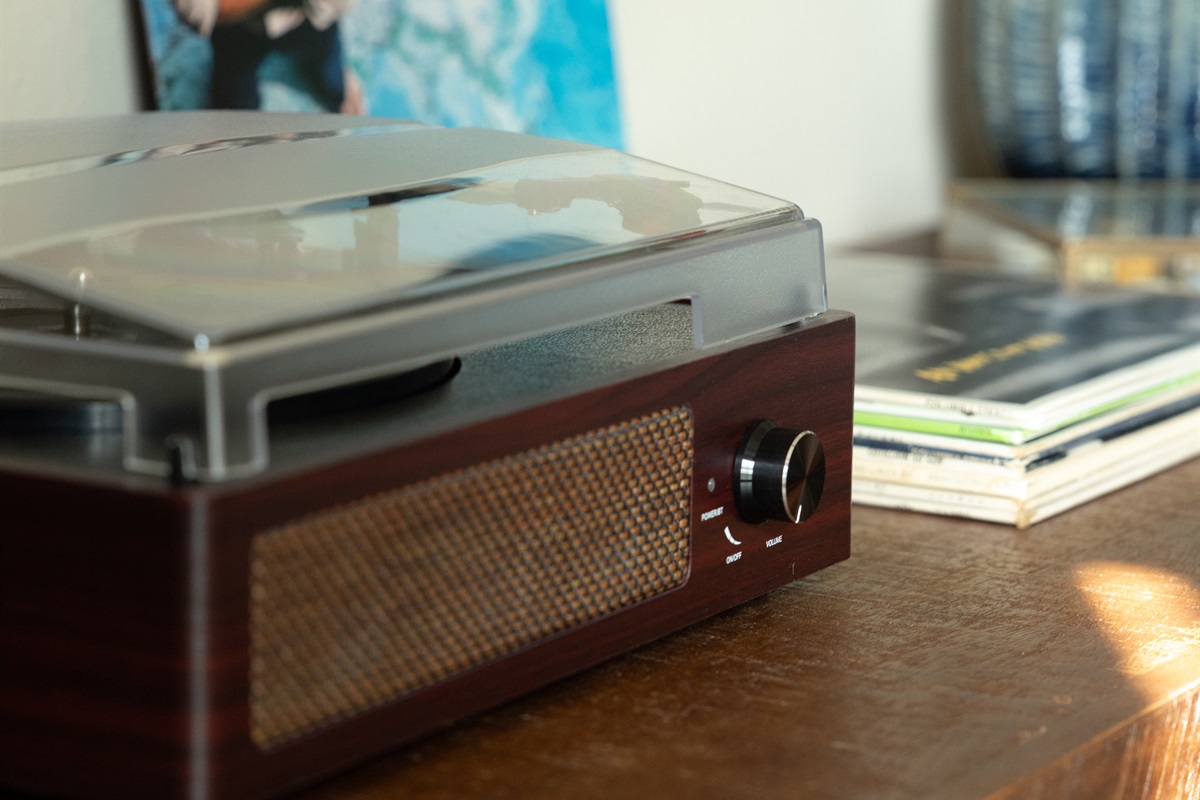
(1008, 359)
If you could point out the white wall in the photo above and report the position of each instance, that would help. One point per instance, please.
(62, 58)
(832, 104)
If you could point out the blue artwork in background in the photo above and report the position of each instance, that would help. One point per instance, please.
(534, 66)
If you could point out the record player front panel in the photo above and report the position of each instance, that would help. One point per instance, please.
(243, 639)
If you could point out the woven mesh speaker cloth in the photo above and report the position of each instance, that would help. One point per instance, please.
(367, 602)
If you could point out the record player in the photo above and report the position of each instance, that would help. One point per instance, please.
(320, 433)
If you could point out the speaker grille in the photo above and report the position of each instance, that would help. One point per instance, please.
(367, 602)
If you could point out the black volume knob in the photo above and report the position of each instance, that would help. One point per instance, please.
(779, 473)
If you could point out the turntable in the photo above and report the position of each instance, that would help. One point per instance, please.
(319, 433)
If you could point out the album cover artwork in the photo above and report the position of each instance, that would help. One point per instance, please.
(531, 66)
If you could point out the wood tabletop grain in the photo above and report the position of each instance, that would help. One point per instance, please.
(945, 659)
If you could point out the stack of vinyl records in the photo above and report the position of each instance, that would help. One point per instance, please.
(1012, 399)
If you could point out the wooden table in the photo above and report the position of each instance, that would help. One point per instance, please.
(946, 659)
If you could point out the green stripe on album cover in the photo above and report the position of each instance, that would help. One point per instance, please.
(941, 428)
(1011, 435)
